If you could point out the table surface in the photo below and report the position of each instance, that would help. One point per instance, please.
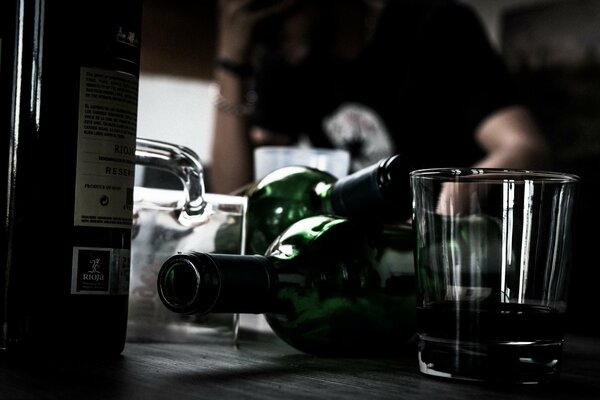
(263, 367)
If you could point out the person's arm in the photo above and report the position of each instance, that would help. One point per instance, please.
(511, 139)
(486, 95)
(231, 150)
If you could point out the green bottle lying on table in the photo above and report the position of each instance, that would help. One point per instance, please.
(379, 192)
(326, 285)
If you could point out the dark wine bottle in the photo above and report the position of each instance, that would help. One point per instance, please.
(69, 75)
(380, 192)
(326, 286)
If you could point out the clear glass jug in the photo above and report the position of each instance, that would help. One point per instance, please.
(168, 221)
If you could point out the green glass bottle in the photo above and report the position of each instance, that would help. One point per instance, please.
(326, 286)
(286, 195)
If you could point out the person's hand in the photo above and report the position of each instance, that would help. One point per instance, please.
(238, 23)
(453, 199)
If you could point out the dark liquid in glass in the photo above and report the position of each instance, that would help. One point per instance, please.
(493, 342)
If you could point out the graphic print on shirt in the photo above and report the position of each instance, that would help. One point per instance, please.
(361, 131)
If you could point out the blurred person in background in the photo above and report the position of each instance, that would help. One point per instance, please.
(374, 77)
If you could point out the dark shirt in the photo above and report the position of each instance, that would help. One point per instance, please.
(421, 87)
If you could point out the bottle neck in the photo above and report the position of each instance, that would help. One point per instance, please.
(324, 191)
(381, 191)
(201, 283)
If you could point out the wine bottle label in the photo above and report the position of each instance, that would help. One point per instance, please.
(100, 271)
(106, 149)
(105, 176)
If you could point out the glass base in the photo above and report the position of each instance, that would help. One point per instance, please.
(500, 361)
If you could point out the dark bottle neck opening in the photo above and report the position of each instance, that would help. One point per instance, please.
(200, 283)
(188, 283)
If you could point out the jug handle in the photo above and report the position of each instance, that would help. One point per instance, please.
(182, 162)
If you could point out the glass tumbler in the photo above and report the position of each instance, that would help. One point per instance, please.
(492, 260)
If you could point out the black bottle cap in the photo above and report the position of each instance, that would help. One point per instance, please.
(379, 192)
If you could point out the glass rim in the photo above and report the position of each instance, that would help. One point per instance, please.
(493, 174)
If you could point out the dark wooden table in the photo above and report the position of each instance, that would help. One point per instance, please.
(266, 368)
